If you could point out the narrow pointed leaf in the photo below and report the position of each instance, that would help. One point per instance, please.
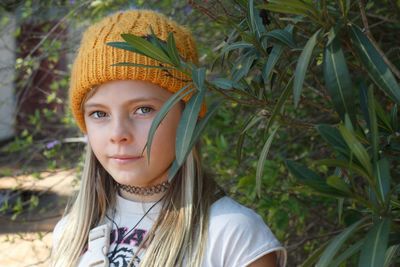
(338, 183)
(390, 255)
(223, 83)
(237, 45)
(383, 178)
(351, 166)
(242, 68)
(251, 123)
(373, 62)
(394, 118)
(301, 67)
(261, 160)
(312, 180)
(255, 22)
(312, 259)
(350, 251)
(336, 243)
(152, 38)
(146, 48)
(187, 125)
(281, 101)
(172, 50)
(337, 79)
(199, 76)
(197, 133)
(357, 148)
(271, 62)
(374, 248)
(332, 136)
(124, 46)
(162, 113)
(283, 36)
(374, 136)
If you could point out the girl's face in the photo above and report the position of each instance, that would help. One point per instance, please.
(118, 118)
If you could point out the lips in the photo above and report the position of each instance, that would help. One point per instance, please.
(121, 159)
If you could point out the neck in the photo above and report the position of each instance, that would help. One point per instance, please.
(143, 194)
(141, 198)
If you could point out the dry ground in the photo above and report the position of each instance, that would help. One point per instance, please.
(26, 241)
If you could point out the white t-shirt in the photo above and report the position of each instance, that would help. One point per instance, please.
(237, 236)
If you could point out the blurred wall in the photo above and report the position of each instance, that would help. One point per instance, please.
(7, 96)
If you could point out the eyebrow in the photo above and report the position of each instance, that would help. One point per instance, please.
(141, 99)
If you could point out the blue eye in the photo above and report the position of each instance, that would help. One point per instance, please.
(145, 110)
(98, 114)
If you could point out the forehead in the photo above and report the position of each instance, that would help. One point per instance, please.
(123, 90)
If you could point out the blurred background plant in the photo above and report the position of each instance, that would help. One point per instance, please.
(307, 133)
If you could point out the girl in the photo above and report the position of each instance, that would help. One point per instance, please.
(127, 212)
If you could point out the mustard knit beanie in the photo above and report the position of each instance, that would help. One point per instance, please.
(93, 63)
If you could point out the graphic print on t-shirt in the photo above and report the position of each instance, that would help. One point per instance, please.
(123, 244)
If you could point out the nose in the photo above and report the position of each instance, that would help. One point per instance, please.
(120, 131)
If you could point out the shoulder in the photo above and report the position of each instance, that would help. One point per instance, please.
(240, 234)
(58, 230)
(228, 215)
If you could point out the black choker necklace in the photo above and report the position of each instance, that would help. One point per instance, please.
(145, 191)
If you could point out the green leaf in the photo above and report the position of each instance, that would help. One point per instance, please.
(197, 133)
(374, 248)
(373, 125)
(239, 147)
(261, 160)
(172, 50)
(390, 255)
(255, 22)
(162, 113)
(310, 261)
(332, 136)
(187, 125)
(351, 166)
(338, 183)
(283, 36)
(251, 123)
(350, 251)
(302, 65)
(394, 118)
(383, 116)
(199, 76)
(312, 180)
(357, 148)
(271, 62)
(146, 48)
(124, 46)
(383, 178)
(296, 7)
(336, 243)
(152, 38)
(222, 83)
(243, 66)
(337, 79)
(373, 62)
(237, 45)
(281, 100)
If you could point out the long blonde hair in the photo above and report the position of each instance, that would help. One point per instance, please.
(178, 236)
